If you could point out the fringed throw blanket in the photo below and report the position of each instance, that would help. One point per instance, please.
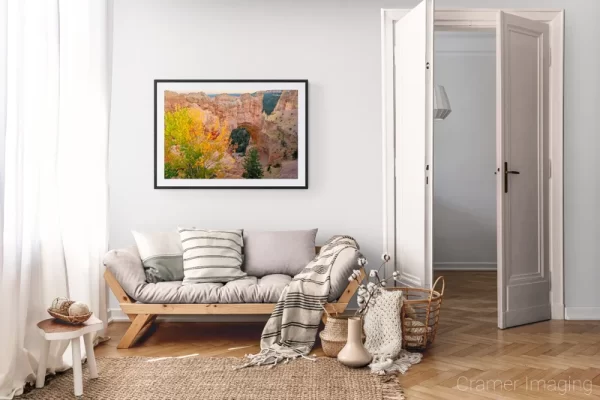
(383, 328)
(291, 330)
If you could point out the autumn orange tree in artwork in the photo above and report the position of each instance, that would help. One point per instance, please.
(193, 150)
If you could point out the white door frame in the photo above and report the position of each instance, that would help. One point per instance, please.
(482, 19)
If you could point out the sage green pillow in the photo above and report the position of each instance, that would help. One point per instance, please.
(162, 255)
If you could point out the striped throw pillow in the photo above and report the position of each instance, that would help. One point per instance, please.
(211, 256)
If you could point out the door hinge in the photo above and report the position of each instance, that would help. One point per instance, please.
(427, 65)
(427, 174)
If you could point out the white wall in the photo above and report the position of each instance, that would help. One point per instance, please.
(336, 45)
(253, 40)
(464, 199)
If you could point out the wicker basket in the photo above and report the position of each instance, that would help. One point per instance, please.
(71, 319)
(420, 315)
(331, 348)
(335, 334)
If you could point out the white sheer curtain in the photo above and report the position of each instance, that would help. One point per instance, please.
(54, 113)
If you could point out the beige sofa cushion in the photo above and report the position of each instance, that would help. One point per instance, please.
(126, 266)
(245, 290)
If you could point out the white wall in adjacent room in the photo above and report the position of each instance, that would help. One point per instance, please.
(464, 202)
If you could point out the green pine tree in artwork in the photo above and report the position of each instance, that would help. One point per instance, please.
(252, 166)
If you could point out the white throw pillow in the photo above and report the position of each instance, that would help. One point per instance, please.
(161, 255)
(211, 255)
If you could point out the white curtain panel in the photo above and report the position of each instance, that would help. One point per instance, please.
(54, 114)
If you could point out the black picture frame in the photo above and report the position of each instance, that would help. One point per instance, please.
(302, 185)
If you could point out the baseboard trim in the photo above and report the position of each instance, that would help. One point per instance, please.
(558, 311)
(582, 313)
(464, 266)
(109, 315)
(409, 280)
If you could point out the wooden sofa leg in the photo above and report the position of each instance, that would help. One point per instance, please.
(138, 324)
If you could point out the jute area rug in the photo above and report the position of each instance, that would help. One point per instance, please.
(215, 378)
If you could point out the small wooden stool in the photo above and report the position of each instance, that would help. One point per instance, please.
(52, 329)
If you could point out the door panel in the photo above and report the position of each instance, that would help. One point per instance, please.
(523, 161)
(413, 64)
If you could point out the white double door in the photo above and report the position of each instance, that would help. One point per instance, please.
(522, 159)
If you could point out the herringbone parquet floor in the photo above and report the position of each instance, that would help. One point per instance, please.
(471, 358)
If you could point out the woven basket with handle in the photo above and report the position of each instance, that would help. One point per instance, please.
(420, 315)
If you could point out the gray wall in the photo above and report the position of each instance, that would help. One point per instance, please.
(336, 45)
(464, 190)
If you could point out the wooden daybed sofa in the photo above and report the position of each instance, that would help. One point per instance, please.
(141, 301)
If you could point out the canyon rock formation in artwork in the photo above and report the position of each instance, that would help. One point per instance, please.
(231, 135)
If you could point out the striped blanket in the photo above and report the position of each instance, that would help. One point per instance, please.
(291, 330)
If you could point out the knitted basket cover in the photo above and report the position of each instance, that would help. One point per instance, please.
(383, 326)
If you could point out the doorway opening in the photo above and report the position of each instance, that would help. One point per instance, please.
(529, 138)
(464, 157)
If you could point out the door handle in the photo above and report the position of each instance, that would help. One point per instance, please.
(506, 172)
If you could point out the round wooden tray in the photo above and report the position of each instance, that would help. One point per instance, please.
(71, 319)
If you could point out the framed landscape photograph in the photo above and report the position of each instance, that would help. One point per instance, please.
(230, 134)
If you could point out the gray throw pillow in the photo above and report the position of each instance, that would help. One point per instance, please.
(283, 252)
(161, 254)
